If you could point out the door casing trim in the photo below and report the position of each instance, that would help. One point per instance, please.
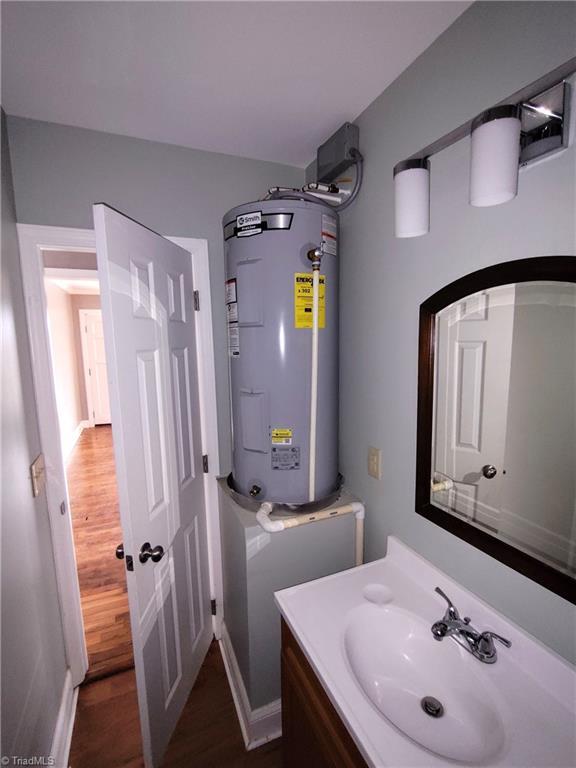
(85, 365)
(33, 239)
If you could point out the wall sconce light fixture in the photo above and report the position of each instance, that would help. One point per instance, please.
(532, 123)
(412, 198)
(495, 155)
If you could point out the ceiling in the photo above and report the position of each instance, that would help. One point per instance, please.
(266, 80)
(76, 286)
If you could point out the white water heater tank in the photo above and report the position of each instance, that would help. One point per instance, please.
(269, 318)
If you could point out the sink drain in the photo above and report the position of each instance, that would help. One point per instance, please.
(432, 706)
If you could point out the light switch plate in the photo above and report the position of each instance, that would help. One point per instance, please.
(38, 475)
(374, 462)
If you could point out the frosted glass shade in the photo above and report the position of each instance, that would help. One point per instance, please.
(412, 198)
(494, 156)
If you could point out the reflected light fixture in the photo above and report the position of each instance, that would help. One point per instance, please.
(412, 197)
(495, 155)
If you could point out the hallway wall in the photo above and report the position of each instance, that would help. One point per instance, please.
(68, 382)
(60, 171)
(33, 657)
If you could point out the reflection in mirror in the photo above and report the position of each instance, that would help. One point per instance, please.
(504, 416)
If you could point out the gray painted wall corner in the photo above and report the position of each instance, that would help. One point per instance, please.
(492, 50)
(33, 656)
(60, 171)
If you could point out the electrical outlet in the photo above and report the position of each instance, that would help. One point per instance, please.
(374, 461)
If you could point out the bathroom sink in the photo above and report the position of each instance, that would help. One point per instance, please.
(367, 635)
(433, 692)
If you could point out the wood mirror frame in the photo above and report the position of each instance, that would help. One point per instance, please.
(551, 268)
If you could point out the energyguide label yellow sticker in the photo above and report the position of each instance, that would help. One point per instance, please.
(282, 436)
(303, 300)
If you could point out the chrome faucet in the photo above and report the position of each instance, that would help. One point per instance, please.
(479, 644)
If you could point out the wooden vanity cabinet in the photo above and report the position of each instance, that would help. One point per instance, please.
(313, 735)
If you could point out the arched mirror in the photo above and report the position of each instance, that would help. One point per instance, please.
(496, 455)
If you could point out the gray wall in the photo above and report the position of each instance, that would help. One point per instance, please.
(255, 565)
(492, 50)
(33, 661)
(60, 171)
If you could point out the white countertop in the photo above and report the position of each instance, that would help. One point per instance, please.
(535, 690)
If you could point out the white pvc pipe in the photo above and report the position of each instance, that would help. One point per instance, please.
(441, 485)
(263, 517)
(358, 509)
(355, 507)
(314, 384)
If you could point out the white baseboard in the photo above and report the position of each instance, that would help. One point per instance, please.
(82, 425)
(62, 738)
(258, 725)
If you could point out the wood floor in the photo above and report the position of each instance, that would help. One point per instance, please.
(107, 730)
(107, 735)
(91, 476)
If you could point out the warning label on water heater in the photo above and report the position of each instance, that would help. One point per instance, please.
(284, 457)
(281, 436)
(303, 300)
(329, 235)
(230, 290)
(233, 340)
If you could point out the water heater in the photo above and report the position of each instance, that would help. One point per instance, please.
(269, 319)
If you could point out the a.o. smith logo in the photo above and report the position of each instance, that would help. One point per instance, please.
(249, 219)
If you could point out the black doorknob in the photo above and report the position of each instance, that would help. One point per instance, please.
(147, 553)
(120, 551)
(489, 471)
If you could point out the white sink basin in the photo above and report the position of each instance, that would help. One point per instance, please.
(398, 663)
(366, 633)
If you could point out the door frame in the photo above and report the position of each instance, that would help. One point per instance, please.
(33, 239)
(86, 366)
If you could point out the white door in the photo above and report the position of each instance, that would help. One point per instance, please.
(149, 329)
(95, 369)
(473, 359)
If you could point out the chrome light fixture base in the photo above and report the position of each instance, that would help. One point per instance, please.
(545, 121)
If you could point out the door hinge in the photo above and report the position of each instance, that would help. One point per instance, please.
(205, 463)
(89, 371)
(93, 414)
(213, 606)
(197, 301)
(129, 563)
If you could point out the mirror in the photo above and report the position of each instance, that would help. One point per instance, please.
(496, 457)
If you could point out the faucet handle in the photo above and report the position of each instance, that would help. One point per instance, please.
(451, 611)
(489, 636)
(485, 649)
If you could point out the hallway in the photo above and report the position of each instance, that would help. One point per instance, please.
(91, 476)
(107, 731)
